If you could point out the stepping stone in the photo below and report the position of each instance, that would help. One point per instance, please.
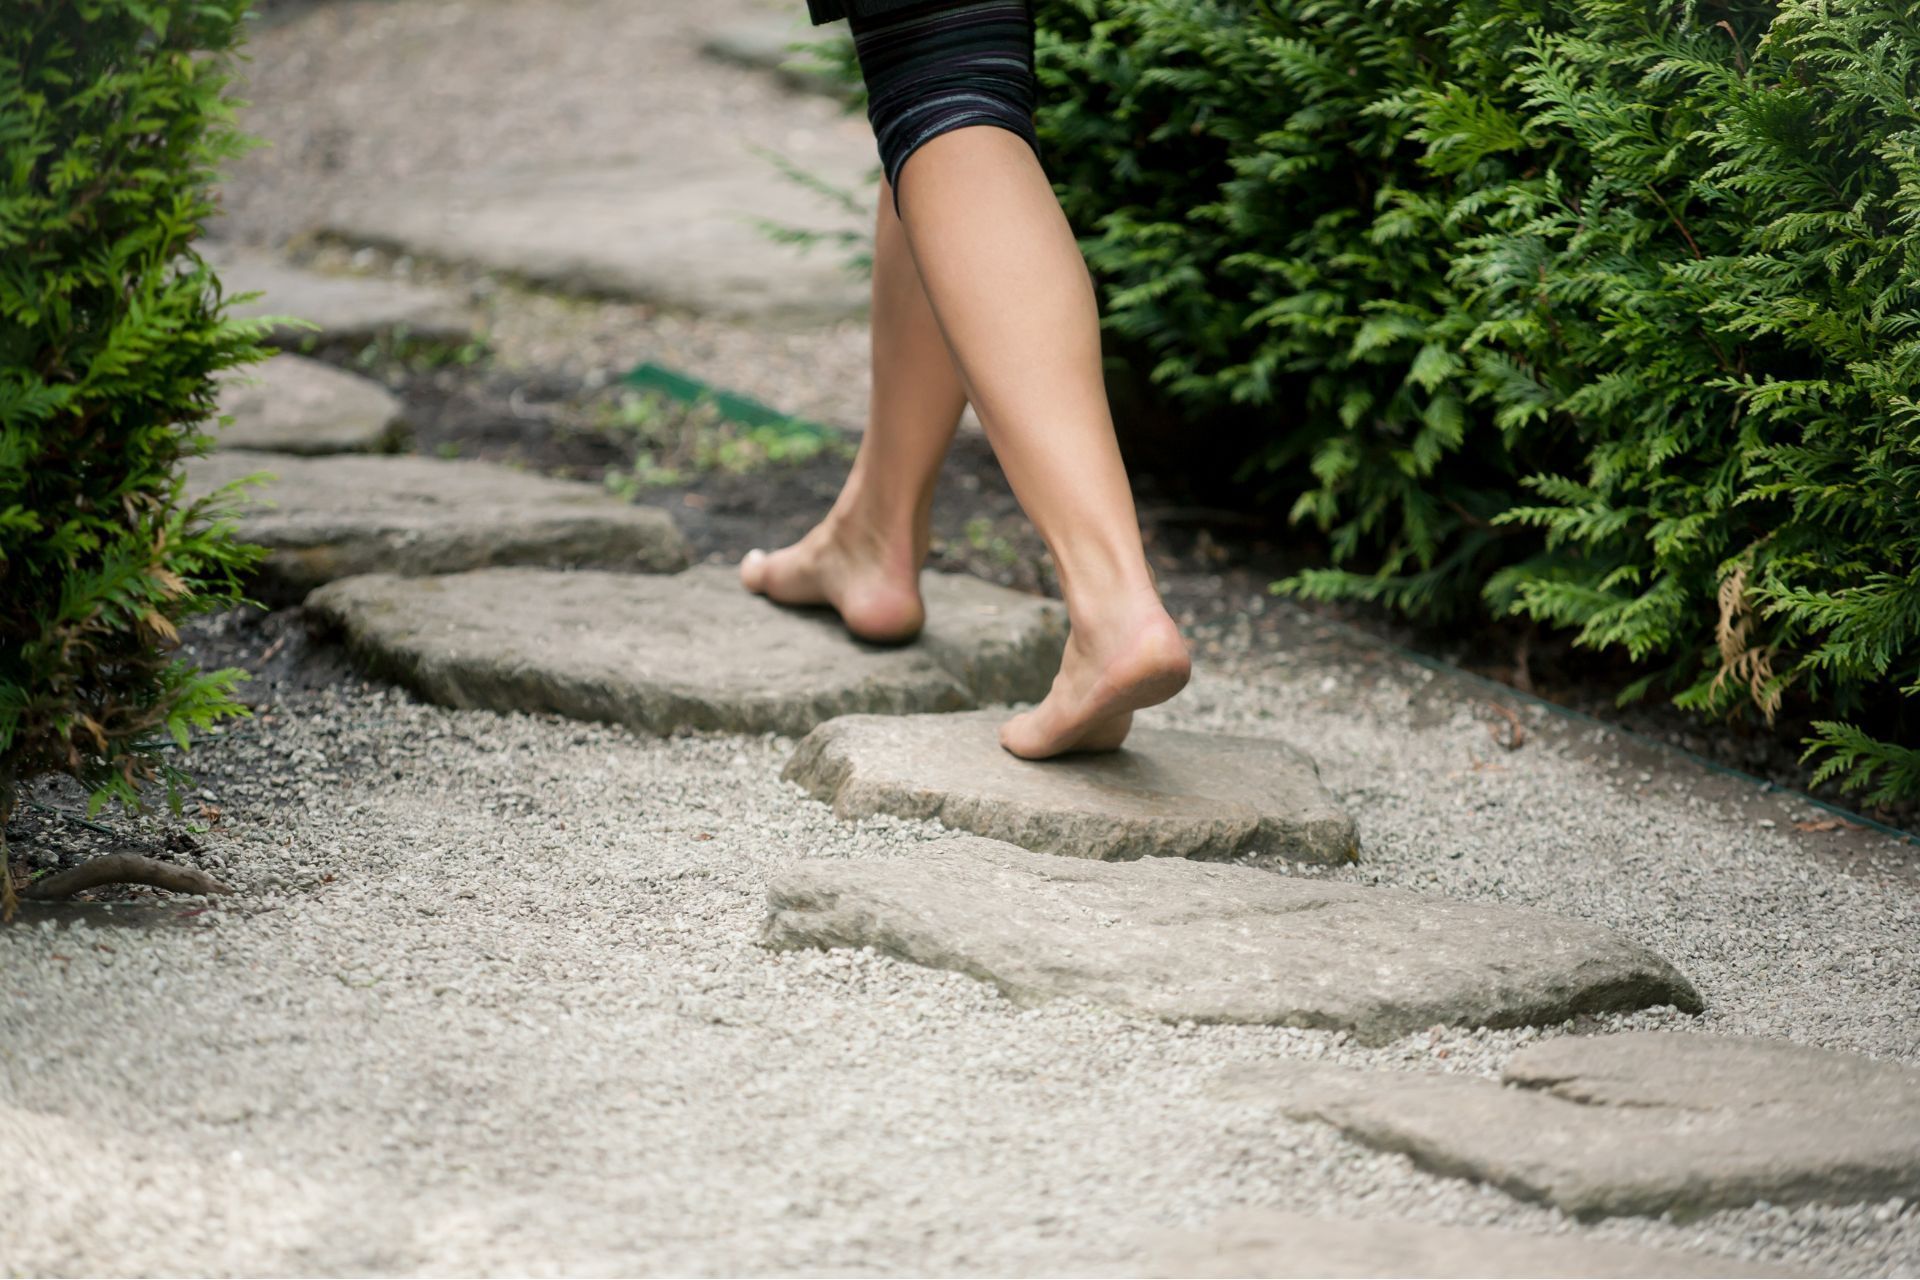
(349, 310)
(673, 229)
(1167, 794)
(327, 518)
(1268, 1242)
(1641, 1122)
(1194, 941)
(691, 651)
(291, 404)
(762, 44)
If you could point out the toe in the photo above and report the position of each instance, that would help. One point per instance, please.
(1015, 734)
(753, 570)
(1034, 735)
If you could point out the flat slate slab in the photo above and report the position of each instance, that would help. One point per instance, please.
(1168, 793)
(675, 229)
(349, 310)
(1192, 941)
(693, 651)
(1268, 1242)
(327, 518)
(291, 404)
(1642, 1122)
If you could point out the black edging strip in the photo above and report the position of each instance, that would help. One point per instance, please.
(733, 406)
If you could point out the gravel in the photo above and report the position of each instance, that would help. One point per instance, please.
(491, 1001)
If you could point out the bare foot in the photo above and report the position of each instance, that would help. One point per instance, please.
(875, 590)
(1109, 672)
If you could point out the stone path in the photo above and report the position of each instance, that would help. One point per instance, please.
(328, 518)
(360, 99)
(691, 651)
(677, 227)
(490, 992)
(658, 199)
(291, 404)
(1268, 1242)
(347, 310)
(1641, 1123)
(1188, 942)
(1167, 794)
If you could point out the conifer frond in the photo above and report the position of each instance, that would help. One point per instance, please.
(1565, 309)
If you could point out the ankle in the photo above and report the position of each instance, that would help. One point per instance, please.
(863, 532)
(1119, 611)
(1105, 576)
(852, 538)
(1135, 640)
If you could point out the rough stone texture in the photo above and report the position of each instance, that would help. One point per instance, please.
(291, 404)
(348, 309)
(327, 518)
(1267, 1242)
(1645, 1123)
(674, 228)
(692, 651)
(1168, 793)
(1186, 941)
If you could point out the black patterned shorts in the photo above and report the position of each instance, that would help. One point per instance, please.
(931, 67)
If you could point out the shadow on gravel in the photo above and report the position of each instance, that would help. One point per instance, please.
(136, 917)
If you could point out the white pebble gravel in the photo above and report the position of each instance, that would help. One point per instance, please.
(491, 1001)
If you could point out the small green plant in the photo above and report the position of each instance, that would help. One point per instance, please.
(675, 441)
(112, 120)
(400, 354)
(981, 537)
(858, 260)
(828, 59)
(638, 413)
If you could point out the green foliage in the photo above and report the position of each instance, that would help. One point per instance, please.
(676, 442)
(856, 247)
(111, 122)
(1603, 313)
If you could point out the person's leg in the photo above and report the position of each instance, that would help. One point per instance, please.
(1013, 297)
(999, 275)
(864, 558)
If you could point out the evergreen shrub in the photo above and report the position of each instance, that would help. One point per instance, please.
(1602, 313)
(111, 328)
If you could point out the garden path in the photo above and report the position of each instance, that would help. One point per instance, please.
(509, 986)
